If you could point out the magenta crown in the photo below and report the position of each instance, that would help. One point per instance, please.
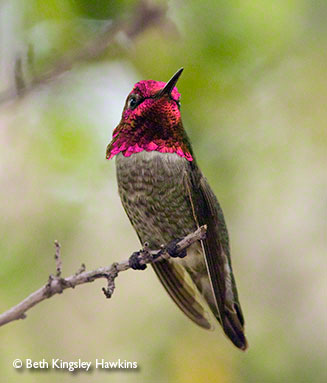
(147, 88)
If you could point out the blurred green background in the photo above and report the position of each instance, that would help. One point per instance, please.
(254, 94)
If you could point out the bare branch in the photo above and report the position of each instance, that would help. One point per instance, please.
(57, 284)
(19, 77)
(144, 16)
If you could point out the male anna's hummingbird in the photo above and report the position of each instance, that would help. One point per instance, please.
(166, 197)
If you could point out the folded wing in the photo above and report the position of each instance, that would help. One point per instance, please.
(217, 255)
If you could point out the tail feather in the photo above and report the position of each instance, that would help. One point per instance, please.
(182, 292)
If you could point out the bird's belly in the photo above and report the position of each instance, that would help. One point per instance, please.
(154, 196)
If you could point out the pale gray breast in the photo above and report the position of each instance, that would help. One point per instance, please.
(154, 196)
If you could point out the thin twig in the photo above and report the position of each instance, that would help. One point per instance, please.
(144, 16)
(57, 284)
(58, 258)
(19, 77)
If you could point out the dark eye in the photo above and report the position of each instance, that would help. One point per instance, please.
(132, 102)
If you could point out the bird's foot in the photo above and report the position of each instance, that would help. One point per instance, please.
(172, 249)
(134, 261)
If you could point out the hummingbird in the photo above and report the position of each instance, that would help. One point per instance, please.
(166, 197)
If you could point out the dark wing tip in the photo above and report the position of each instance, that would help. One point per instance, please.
(235, 331)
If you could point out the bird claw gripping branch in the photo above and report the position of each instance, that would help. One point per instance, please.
(134, 261)
(173, 251)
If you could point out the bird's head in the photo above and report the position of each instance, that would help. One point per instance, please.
(151, 120)
(153, 100)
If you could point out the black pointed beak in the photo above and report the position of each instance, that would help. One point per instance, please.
(170, 84)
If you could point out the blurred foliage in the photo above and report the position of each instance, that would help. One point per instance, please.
(254, 91)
